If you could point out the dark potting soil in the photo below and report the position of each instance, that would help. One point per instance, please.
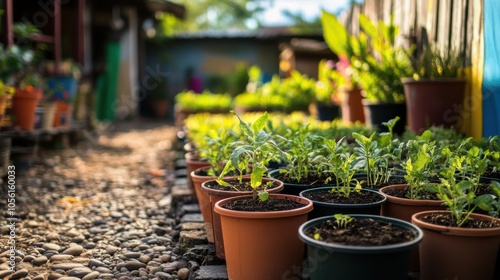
(361, 232)
(491, 174)
(444, 219)
(255, 205)
(312, 180)
(244, 186)
(354, 197)
(405, 193)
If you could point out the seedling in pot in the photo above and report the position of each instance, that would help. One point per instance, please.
(256, 147)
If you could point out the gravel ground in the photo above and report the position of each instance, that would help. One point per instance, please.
(98, 213)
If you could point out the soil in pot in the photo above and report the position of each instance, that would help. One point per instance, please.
(328, 203)
(293, 186)
(361, 232)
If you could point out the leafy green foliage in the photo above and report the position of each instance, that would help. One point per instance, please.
(205, 101)
(342, 220)
(433, 63)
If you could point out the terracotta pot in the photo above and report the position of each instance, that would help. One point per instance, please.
(160, 108)
(217, 195)
(377, 113)
(327, 209)
(403, 209)
(24, 105)
(337, 261)
(193, 162)
(434, 103)
(457, 253)
(263, 245)
(203, 200)
(351, 107)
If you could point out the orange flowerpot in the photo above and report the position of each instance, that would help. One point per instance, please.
(24, 104)
(193, 162)
(403, 209)
(263, 245)
(203, 200)
(457, 253)
(217, 195)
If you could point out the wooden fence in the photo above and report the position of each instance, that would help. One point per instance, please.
(446, 23)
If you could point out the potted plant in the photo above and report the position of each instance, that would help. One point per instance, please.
(358, 247)
(260, 230)
(341, 197)
(377, 157)
(451, 237)
(189, 102)
(256, 148)
(325, 93)
(435, 92)
(301, 171)
(379, 66)
(345, 78)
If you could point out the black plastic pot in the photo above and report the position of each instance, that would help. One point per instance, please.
(321, 209)
(335, 261)
(378, 113)
(327, 112)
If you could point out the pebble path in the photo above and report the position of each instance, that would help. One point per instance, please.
(111, 212)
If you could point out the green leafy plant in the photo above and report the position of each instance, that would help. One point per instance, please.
(375, 155)
(342, 220)
(339, 164)
(434, 63)
(419, 165)
(458, 195)
(205, 101)
(491, 202)
(256, 147)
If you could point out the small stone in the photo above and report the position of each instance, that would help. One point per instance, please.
(170, 267)
(91, 276)
(72, 232)
(52, 236)
(32, 224)
(60, 258)
(39, 260)
(96, 263)
(132, 255)
(115, 214)
(144, 258)
(51, 246)
(102, 269)
(163, 275)
(55, 275)
(69, 278)
(165, 258)
(79, 272)
(111, 249)
(78, 239)
(28, 258)
(19, 274)
(5, 273)
(66, 266)
(183, 274)
(89, 245)
(74, 251)
(40, 277)
(132, 265)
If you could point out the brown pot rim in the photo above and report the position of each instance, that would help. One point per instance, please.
(279, 186)
(308, 206)
(415, 219)
(407, 201)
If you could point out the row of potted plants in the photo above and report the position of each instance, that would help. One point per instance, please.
(242, 158)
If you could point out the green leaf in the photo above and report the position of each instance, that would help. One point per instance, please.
(335, 33)
(260, 123)
(256, 177)
(245, 128)
(485, 201)
(263, 196)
